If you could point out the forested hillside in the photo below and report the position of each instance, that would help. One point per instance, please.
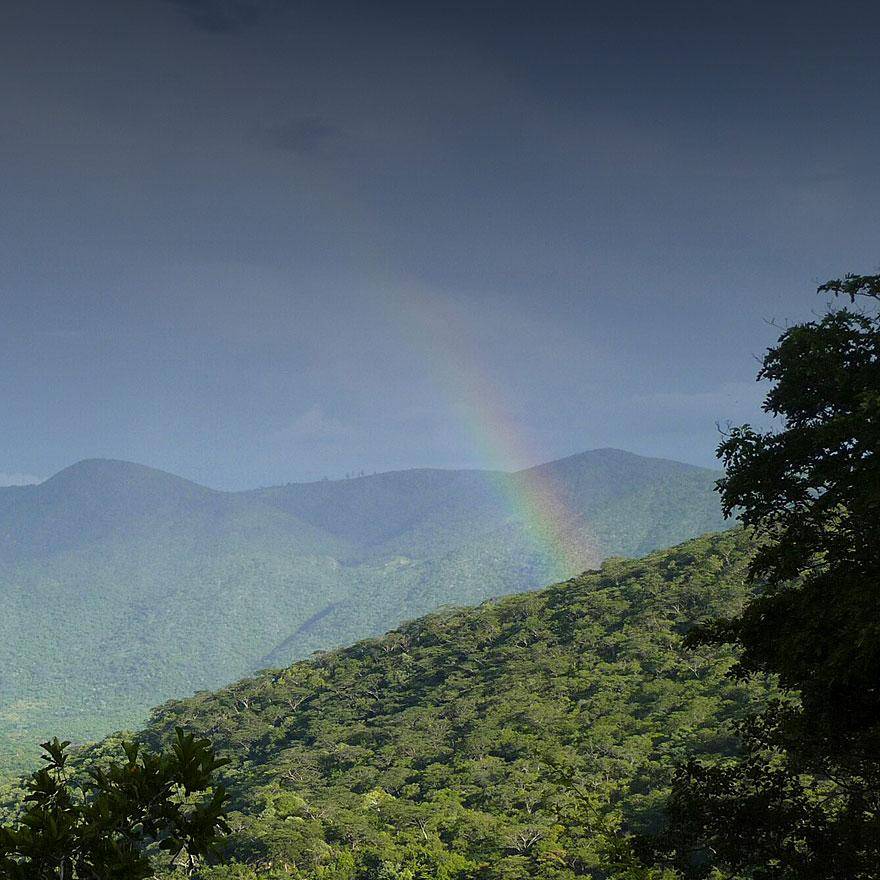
(506, 741)
(123, 585)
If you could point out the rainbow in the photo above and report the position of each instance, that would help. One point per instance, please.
(559, 533)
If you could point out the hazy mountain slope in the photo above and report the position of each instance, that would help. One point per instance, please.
(121, 582)
(493, 563)
(471, 542)
(372, 510)
(123, 585)
(100, 500)
(492, 742)
(631, 503)
(634, 504)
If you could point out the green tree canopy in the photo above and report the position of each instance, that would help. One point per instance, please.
(100, 827)
(803, 801)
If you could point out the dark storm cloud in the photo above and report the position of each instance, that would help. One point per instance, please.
(223, 16)
(308, 136)
(227, 224)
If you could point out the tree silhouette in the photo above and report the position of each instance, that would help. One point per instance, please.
(99, 825)
(803, 799)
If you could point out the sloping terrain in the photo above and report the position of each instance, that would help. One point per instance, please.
(123, 585)
(629, 504)
(504, 741)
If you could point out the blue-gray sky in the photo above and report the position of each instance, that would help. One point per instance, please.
(251, 241)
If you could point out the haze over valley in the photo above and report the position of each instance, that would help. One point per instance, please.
(126, 585)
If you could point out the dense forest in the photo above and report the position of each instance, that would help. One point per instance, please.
(512, 740)
(124, 586)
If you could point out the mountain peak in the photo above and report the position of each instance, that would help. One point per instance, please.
(608, 456)
(111, 473)
(143, 570)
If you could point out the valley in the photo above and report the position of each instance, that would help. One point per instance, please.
(124, 585)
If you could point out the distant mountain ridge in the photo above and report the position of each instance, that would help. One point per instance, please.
(124, 585)
(99, 499)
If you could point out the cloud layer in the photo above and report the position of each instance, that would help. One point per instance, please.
(223, 16)
(14, 479)
(410, 234)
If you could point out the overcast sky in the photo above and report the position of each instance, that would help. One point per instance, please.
(259, 241)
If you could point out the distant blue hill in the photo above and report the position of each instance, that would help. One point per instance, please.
(123, 585)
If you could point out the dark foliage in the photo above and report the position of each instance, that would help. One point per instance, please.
(803, 800)
(521, 740)
(99, 827)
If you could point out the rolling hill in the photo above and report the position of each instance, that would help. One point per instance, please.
(123, 585)
(509, 741)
